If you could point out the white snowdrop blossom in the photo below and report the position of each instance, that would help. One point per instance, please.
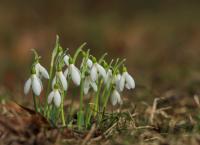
(87, 84)
(115, 98)
(60, 76)
(41, 70)
(126, 81)
(108, 78)
(66, 59)
(75, 74)
(116, 81)
(89, 63)
(97, 70)
(55, 97)
(35, 83)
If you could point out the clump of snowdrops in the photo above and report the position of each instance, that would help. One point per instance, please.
(98, 79)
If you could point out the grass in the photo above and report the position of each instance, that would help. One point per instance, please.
(170, 119)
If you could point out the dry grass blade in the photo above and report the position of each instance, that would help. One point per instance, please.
(153, 110)
(196, 99)
(89, 135)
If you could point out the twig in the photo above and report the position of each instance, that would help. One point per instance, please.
(89, 135)
(153, 110)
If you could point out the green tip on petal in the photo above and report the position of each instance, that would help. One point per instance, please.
(70, 60)
(124, 69)
(56, 86)
(33, 70)
(94, 59)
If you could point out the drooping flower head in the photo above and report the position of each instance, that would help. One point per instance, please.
(126, 80)
(60, 78)
(55, 96)
(89, 83)
(97, 70)
(33, 82)
(41, 70)
(74, 72)
(115, 98)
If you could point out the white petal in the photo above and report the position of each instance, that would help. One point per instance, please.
(122, 83)
(117, 78)
(63, 80)
(89, 63)
(66, 72)
(27, 86)
(127, 86)
(53, 82)
(50, 97)
(66, 60)
(93, 73)
(36, 86)
(130, 81)
(75, 73)
(115, 98)
(101, 70)
(37, 69)
(86, 86)
(43, 71)
(94, 85)
(40, 83)
(108, 76)
(57, 98)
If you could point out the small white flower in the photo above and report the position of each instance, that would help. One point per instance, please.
(41, 70)
(75, 74)
(117, 79)
(115, 98)
(60, 76)
(66, 60)
(96, 70)
(55, 96)
(108, 78)
(126, 81)
(89, 63)
(35, 83)
(87, 84)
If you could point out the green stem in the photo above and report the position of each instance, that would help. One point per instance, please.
(105, 95)
(106, 98)
(54, 54)
(62, 111)
(96, 101)
(81, 96)
(35, 103)
(80, 113)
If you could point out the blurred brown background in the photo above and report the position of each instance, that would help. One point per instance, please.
(160, 39)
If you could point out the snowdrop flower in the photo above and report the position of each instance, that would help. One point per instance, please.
(55, 97)
(60, 76)
(66, 60)
(35, 83)
(116, 81)
(96, 70)
(41, 70)
(74, 72)
(126, 81)
(108, 78)
(115, 98)
(88, 62)
(87, 84)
